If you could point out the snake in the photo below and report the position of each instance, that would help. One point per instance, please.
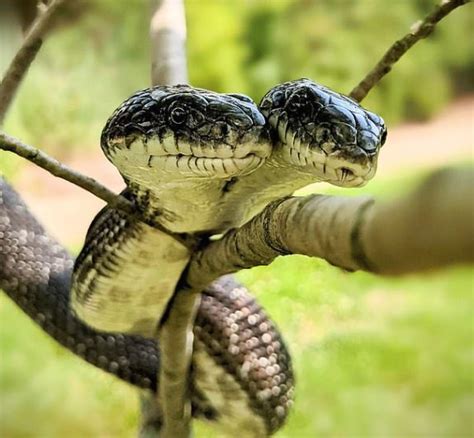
(198, 163)
(240, 360)
(319, 135)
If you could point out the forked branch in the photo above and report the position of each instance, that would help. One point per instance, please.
(352, 233)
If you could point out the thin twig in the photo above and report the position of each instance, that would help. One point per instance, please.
(25, 55)
(418, 31)
(53, 166)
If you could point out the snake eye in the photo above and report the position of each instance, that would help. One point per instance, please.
(383, 139)
(277, 98)
(344, 134)
(178, 115)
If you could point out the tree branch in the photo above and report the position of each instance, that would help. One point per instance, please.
(418, 31)
(60, 170)
(387, 238)
(175, 336)
(152, 415)
(25, 55)
(168, 43)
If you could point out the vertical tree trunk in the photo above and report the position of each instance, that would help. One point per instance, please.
(168, 43)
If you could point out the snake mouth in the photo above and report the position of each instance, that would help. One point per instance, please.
(337, 168)
(182, 165)
(174, 161)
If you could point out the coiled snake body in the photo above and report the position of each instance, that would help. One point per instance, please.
(200, 163)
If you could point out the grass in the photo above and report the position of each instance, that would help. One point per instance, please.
(374, 357)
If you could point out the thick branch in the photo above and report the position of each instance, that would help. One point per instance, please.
(429, 228)
(419, 30)
(60, 170)
(176, 339)
(168, 43)
(25, 55)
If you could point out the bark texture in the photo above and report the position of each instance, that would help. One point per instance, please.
(168, 43)
(175, 336)
(431, 227)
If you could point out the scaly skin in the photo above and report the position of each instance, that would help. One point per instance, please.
(231, 331)
(177, 148)
(319, 136)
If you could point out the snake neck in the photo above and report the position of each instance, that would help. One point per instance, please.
(274, 180)
(194, 206)
(214, 206)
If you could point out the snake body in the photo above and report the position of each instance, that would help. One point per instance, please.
(199, 163)
(232, 332)
(178, 149)
(190, 159)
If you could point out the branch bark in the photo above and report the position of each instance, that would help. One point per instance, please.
(25, 55)
(419, 30)
(151, 415)
(427, 229)
(60, 170)
(168, 43)
(175, 335)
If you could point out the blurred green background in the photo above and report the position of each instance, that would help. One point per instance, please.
(373, 357)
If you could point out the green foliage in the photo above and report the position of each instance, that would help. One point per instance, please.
(373, 357)
(85, 70)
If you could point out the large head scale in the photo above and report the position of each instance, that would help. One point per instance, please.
(174, 132)
(323, 133)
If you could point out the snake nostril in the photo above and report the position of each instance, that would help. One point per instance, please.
(369, 145)
(371, 149)
(383, 139)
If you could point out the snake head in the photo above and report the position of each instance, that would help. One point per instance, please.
(184, 132)
(323, 133)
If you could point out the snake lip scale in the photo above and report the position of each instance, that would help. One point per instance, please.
(205, 166)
